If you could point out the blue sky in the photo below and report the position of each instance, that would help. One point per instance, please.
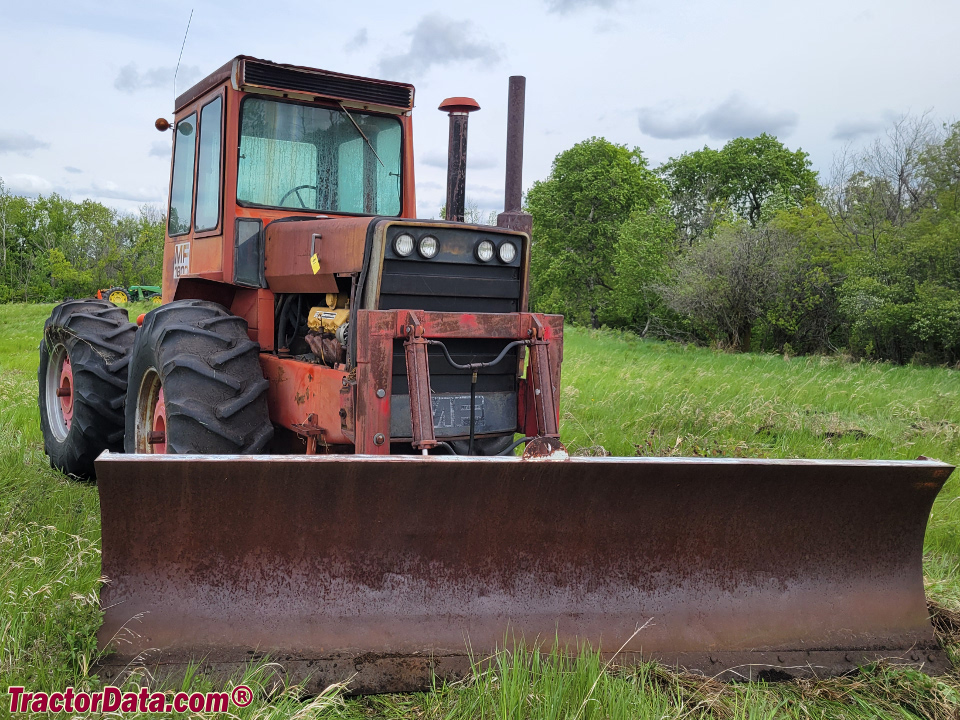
(84, 81)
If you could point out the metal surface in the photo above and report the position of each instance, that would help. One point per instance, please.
(418, 382)
(299, 390)
(59, 392)
(385, 570)
(374, 371)
(513, 216)
(496, 414)
(459, 109)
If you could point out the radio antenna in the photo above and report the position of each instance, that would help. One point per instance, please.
(176, 72)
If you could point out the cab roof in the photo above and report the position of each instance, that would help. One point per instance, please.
(252, 74)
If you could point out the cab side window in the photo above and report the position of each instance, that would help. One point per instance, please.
(181, 191)
(208, 169)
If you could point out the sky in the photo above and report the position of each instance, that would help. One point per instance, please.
(84, 81)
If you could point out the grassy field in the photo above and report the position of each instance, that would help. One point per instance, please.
(620, 396)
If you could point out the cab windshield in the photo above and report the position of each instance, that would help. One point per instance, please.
(313, 158)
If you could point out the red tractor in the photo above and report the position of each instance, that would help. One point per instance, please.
(311, 321)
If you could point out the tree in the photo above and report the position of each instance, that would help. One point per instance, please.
(730, 284)
(593, 188)
(881, 188)
(53, 247)
(644, 247)
(739, 179)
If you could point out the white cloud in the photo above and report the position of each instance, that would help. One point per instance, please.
(112, 191)
(358, 41)
(436, 41)
(131, 80)
(30, 185)
(733, 117)
(439, 160)
(160, 149)
(20, 143)
(566, 6)
(852, 129)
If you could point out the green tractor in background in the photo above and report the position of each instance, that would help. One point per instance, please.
(135, 293)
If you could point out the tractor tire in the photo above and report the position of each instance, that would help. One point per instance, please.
(118, 296)
(195, 384)
(84, 358)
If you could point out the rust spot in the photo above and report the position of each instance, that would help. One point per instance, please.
(412, 557)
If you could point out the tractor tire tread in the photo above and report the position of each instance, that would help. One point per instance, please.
(98, 338)
(213, 385)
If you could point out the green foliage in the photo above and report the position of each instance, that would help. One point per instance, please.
(743, 178)
(593, 188)
(641, 256)
(729, 284)
(54, 248)
(758, 256)
(630, 396)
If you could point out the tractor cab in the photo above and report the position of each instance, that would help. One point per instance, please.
(256, 142)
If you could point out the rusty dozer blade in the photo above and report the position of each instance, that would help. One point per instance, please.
(388, 569)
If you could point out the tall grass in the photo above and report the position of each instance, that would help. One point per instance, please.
(619, 395)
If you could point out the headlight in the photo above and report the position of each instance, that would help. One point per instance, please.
(484, 251)
(507, 252)
(403, 244)
(428, 247)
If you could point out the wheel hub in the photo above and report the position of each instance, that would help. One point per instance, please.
(65, 391)
(158, 435)
(59, 392)
(151, 430)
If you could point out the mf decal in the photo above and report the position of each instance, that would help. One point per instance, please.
(181, 259)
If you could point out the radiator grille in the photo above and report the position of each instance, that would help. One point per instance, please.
(460, 285)
(332, 86)
(449, 287)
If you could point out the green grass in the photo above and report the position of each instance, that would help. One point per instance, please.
(620, 395)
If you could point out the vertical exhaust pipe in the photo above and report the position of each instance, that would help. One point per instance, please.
(459, 109)
(513, 216)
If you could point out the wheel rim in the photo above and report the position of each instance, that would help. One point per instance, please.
(156, 300)
(117, 297)
(59, 392)
(151, 430)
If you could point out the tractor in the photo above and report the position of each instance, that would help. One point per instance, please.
(135, 293)
(307, 452)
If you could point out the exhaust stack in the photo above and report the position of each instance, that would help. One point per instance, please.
(459, 109)
(513, 216)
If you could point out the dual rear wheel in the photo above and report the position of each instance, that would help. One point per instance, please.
(189, 381)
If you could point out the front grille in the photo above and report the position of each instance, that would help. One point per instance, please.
(449, 287)
(445, 378)
(455, 282)
(326, 85)
(496, 403)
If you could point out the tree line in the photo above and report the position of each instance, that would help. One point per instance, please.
(742, 246)
(54, 248)
(746, 247)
